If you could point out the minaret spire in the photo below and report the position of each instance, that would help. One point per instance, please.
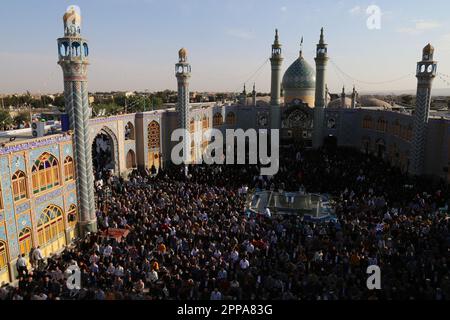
(74, 61)
(301, 48)
(426, 72)
(321, 98)
(276, 61)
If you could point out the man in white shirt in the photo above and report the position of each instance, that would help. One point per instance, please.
(37, 256)
(21, 265)
(216, 295)
(244, 264)
(107, 251)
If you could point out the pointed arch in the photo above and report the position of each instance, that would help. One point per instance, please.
(50, 225)
(25, 241)
(45, 173)
(131, 159)
(231, 118)
(217, 119)
(19, 185)
(129, 131)
(3, 255)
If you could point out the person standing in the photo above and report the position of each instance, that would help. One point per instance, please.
(21, 265)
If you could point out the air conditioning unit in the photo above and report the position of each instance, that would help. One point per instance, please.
(38, 129)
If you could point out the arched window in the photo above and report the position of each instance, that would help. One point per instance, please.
(50, 225)
(231, 119)
(131, 160)
(192, 126)
(129, 131)
(3, 256)
(366, 122)
(72, 215)
(69, 172)
(25, 241)
(409, 133)
(192, 150)
(397, 128)
(217, 119)
(381, 125)
(19, 184)
(45, 173)
(205, 123)
(153, 135)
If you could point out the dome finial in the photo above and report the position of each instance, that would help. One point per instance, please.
(321, 36)
(301, 48)
(72, 21)
(276, 42)
(182, 55)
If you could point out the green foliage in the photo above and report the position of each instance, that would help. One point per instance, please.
(5, 119)
(22, 117)
(110, 109)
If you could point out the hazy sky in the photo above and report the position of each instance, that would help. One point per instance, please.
(134, 43)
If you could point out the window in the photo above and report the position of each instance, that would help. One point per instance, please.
(69, 172)
(153, 135)
(3, 256)
(231, 119)
(381, 125)
(192, 150)
(367, 122)
(25, 241)
(217, 119)
(72, 215)
(205, 122)
(131, 160)
(51, 225)
(19, 184)
(129, 131)
(45, 173)
(192, 126)
(409, 133)
(397, 128)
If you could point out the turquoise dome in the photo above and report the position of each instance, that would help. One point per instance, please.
(300, 75)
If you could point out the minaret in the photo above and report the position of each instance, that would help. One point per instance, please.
(343, 97)
(321, 91)
(276, 61)
(254, 95)
(426, 72)
(183, 73)
(73, 59)
(354, 97)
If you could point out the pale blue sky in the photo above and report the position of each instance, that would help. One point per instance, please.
(134, 43)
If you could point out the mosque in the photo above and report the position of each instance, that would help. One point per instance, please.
(47, 186)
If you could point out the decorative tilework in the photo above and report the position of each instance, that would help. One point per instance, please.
(36, 153)
(23, 207)
(71, 186)
(48, 196)
(18, 163)
(34, 144)
(2, 232)
(8, 212)
(23, 221)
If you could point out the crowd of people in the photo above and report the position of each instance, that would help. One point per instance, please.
(190, 238)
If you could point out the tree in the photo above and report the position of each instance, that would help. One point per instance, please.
(407, 99)
(21, 118)
(5, 119)
(109, 109)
